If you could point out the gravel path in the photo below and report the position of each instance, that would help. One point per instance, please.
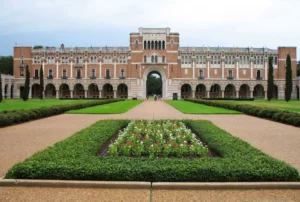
(21, 141)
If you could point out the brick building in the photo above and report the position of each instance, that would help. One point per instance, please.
(123, 71)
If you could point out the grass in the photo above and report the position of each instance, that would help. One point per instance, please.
(113, 108)
(16, 104)
(292, 105)
(194, 108)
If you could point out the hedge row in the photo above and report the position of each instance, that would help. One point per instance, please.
(18, 116)
(287, 117)
(75, 159)
(235, 99)
(83, 98)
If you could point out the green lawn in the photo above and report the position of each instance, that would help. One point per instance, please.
(15, 104)
(113, 108)
(292, 105)
(194, 108)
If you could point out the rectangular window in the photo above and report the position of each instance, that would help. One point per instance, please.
(182, 59)
(219, 60)
(122, 72)
(36, 73)
(50, 72)
(201, 73)
(230, 73)
(78, 73)
(258, 74)
(107, 73)
(21, 72)
(64, 73)
(275, 61)
(93, 73)
(226, 60)
(163, 59)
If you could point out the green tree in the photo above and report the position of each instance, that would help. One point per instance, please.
(41, 83)
(1, 97)
(288, 79)
(37, 47)
(270, 79)
(298, 68)
(26, 85)
(6, 63)
(154, 85)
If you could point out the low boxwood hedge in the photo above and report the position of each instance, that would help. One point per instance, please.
(18, 116)
(75, 159)
(235, 99)
(282, 116)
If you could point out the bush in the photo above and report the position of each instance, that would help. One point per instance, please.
(287, 117)
(17, 116)
(75, 159)
(235, 99)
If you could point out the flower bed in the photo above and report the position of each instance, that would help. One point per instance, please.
(157, 139)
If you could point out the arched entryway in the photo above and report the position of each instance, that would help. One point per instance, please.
(12, 91)
(275, 91)
(230, 91)
(78, 91)
(259, 91)
(108, 91)
(64, 91)
(93, 91)
(50, 91)
(154, 84)
(244, 91)
(35, 90)
(186, 91)
(158, 71)
(215, 91)
(22, 88)
(200, 91)
(5, 90)
(122, 91)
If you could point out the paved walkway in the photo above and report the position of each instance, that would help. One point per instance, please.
(21, 141)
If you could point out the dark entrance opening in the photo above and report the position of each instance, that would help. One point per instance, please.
(154, 84)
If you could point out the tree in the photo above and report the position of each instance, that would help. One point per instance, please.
(288, 79)
(270, 79)
(154, 85)
(6, 64)
(1, 97)
(298, 68)
(26, 85)
(41, 83)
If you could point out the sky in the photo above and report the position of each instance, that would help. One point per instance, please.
(86, 23)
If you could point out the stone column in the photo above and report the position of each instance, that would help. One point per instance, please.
(100, 93)
(57, 70)
(266, 70)
(237, 69)
(222, 63)
(85, 93)
(85, 69)
(251, 93)
(193, 69)
(71, 69)
(57, 94)
(193, 93)
(208, 63)
(222, 93)
(115, 69)
(115, 93)
(100, 69)
(3, 86)
(30, 93)
(251, 69)
(237, 94)
(266, 95)
(71, 93)
(9, 88)
(208, 96)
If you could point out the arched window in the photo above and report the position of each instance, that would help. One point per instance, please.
(152, 45)
(163, 59)
(136, 44)
(145, 45)
(185, 59)
(145, 59)
(77, 60)
(120, 59)
(156, 45)
(163, 45)
(172, 43)
(156, 58)
(92, 60)
(148, 45)
(152, 58)
(159, 45)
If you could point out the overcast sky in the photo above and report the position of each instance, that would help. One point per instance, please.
(255, 23)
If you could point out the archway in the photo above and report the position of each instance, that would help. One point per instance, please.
(35, 90)
(259, 91)
(215, 91)
(50, 91)
(64, 91)
(244, 91)
(93, 91)
(108, 91)
(186, 91)
(229, 91)
(200, 91)
(122, 91)
(275, 91)
(5, 90)
(22, 88)
(159, 73)
(297, 89)
(78, 91)
(154, 84)
(12, 91)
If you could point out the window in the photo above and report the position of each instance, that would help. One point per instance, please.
(275, 61)
(36, 60)
(163, 45)
(172, 43)
(93, 59)
(219, 60)
(22, 60)
(93, 73)
(122, 59)
(21, 72)
(122, 73)
(261, 60)
(229, 60)
(36, 73)
(163, 59)
(258, 74)
(201, 73)
(230, 73)
(254, 60)
(145, 45)
(78, 73)
(136, 44)
(65, 60)
(107, 59)
(156, 59)
(152, 59)
(190, 59)
(107, 73)
(145, 59)
(182, 59)
(64, 73)
(50, 72)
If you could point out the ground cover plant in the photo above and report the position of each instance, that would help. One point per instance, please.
(75, 159)
(157, 139)
(193, 108)
(274, 114)
(19, 116)
(113, 108)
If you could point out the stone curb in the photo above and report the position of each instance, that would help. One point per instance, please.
(226, 185)
(75, 184)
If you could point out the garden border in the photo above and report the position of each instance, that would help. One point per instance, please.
(75, 159)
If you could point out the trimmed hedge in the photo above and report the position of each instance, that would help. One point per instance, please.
(18, 116)
(235, 99)
(75, 159)
(83, 98)
(282, 116)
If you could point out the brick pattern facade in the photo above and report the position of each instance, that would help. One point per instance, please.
(123, 71)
